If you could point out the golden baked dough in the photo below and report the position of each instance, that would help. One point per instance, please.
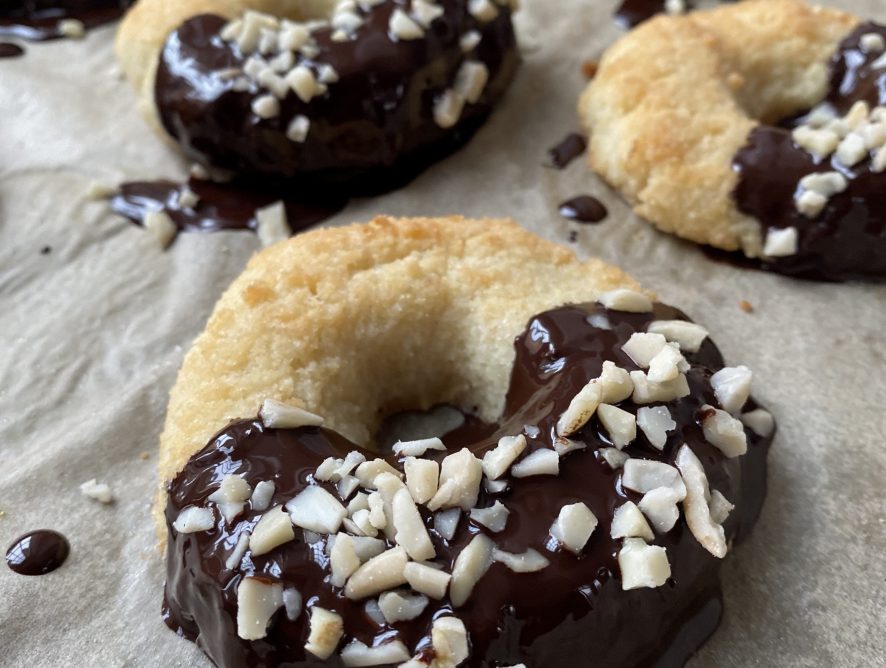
(357, 322)
(675, 99)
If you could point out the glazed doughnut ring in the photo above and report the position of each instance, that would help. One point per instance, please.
(318, 92)
(289, 543)
(678, 114)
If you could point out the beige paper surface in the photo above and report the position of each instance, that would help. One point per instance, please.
(92, 333)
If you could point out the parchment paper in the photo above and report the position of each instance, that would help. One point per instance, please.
(91, 335)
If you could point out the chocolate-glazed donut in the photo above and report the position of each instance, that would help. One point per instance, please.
(363, 100)
(573, 607)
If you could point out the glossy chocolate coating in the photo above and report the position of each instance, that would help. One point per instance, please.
(37, 552)
(372, 131)
(571, 146)
(584, 209)
(848, 239)
(573, 609)
(222, 206)
(37, 20)
(10, 50)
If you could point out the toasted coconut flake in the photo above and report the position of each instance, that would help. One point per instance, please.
(695, 506)
(656, 422)
(540, 462)
(231, 496)
(688, 335)
(660, 506)
(327, 629)
(644, 475)
(574, 526)
(378, 574)
(418, 447)
(450, 641)
(724, 432)
(497, 461)
(410, 528)
(759, 421)
(193, 519)
(643, 347)
(581, 408)
(427, 580)
(621, 425)
(397, 606)
(343, 559)
(493, 518)
(257, 601)
(277, 415)
(732, 387)
(530, 561)
(460, 476)
(264, 492)
(642, 565)
(273, 529)
(470, 565)
(316, 510)
(628, 522)
(421, 478)
(358, 654)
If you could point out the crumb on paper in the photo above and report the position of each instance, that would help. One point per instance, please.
(745, 306)
(589, 68)
(144, 456)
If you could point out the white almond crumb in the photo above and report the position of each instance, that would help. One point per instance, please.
(316, 510)
(304, 84)
(187, 198)
(357, 654)
(667, 365)
(563, 446)
(98, 491)
(159, 224)
(878, 164)
(784, 242)
(377, 516)
(688, 335)
(425, 12)
(327, 629)
(193, 519)
(277, 415)
(266, 106)
(236, 556)
(448, 108)
(698, 513)
(292, 602)
(273, 529)
(446, 522)
(530, 561)
(427, 580)
(852, 150)
(231, 496)
(646, 392)
(820, 142)
(418, 447)
(410, 529)
(460, 476)
(732, 387)
(720, 507)
(71, 28)
(642, 347)
(367, 472)
(615, 383)
(655, 422)
(298, 129)
(399, 607)
(614, 457)
(469, 41)
(373, 612)
(497, 461)
(574, 526)
(660, 506)
(347, 21)
(327, 74)
(494, 518)
(99, 190)
(540, 462)
(629, 522)
(367, 547)
(343, 559)
(675, 7)
(642, 565)
(644, 475)
(421, 478)
(449, 638)
(759, 421)
(620, 424)
(724, 432)
(581, 408)
(257, 601)
(402, 27)
(625, 300)
(272, 225)
(383, 572)
(347, 486)
(470, 80)
(496, 486)
(388, 486)
(872, 42)
(470, 565)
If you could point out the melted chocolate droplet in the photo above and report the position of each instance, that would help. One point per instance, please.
(567, 150)
(10, 50)
(573, 608)
(38, 20)
(633, 12)
(847, 240)
(220, 206)
(38, 552)
(584, 209)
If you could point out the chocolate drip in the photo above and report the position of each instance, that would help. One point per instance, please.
(573, 609)
(631, 13)
(221, 206)
(373, 130)
(847, 240)
(37, 20)
(10, 50)
(572, 146)
(37, 552)
(584, 209)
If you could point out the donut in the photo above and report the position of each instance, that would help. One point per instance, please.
(543, 530)
(318, 93)
(756, 128)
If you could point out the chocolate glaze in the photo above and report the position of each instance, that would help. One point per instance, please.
(572, 146)
(374, 129)
(37, 20)
(848, 239)
(560, 616)
(222, 206)
(584, 209)
(10, 50)
(632, 13)
(37, 552)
